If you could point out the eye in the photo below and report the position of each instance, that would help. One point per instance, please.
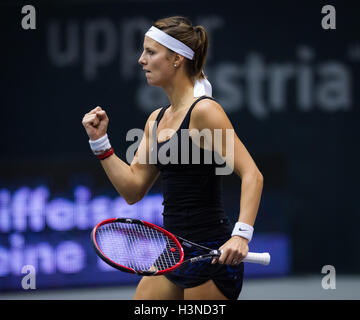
(150, 52)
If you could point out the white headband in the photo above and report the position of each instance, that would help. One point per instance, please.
(202, 86)
(170, 42)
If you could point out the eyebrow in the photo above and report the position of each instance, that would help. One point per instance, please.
(148, 48)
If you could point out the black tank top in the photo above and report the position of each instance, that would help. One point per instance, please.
(193, 206)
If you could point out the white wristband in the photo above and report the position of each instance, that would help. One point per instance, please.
(101, 145)
(243, 230)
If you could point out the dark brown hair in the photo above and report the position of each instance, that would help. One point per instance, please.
(194, 37)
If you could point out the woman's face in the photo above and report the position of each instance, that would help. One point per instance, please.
(156, 62)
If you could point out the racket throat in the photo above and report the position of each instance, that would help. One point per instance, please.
(211, 254)
(215, 253)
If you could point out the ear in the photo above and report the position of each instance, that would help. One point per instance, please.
(178, 59)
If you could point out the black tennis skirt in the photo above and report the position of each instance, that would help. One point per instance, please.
(228, 279)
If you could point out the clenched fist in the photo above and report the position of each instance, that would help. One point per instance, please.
(95, 123)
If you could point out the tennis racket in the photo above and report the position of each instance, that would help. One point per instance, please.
(143, 248)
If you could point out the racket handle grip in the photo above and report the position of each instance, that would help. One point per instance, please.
(254, 257)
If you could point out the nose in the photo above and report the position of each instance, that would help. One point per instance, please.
(141, 59)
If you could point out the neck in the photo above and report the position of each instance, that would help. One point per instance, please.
(180, 93)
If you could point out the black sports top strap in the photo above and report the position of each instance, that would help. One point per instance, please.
(158, 118)
(186, 121)
(161, 113)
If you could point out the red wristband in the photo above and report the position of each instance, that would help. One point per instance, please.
(106, 154)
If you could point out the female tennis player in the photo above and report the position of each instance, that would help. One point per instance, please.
(173, 58)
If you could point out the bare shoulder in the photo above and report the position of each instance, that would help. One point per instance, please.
(208, 113)
(154, 114)
(152, 117)
(205, 106)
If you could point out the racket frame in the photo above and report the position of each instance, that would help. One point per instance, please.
(261, 258)
(128, 269)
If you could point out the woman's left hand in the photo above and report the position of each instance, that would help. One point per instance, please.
(233, 251)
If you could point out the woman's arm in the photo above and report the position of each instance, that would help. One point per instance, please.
(131, 181)
(208, 114)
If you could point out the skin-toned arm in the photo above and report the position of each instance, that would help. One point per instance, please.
(131, 181)
(208, 114)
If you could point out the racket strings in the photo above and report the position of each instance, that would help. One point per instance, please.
(137, 246)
